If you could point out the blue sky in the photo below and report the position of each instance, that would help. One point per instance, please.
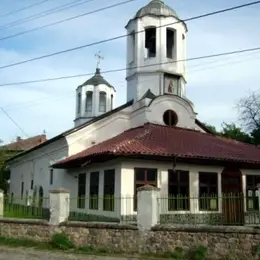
(214, 85)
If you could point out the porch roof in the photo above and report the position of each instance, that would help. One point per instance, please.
(151, 140)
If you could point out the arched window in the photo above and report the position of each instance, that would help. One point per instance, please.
(41, 197)
(150, 41)
(102, 101)
(132, 46)
(112, 101)
(170, 42)
(79, 103)
(89, 100)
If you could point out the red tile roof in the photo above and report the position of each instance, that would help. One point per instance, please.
(158, 140)
(25, 144)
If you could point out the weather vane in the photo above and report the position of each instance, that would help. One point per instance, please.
(99, 57)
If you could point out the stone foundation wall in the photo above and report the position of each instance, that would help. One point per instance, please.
(236, 242)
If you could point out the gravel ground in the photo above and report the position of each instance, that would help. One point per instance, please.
(7, 253)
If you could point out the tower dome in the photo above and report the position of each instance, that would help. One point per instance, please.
(156, 8)
(93, 98)
(96, 80)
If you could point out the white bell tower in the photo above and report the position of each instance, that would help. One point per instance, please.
(156, 52)
(94, 97)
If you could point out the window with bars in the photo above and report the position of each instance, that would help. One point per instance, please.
(178, 190)
(81, 190)
(109, 190)
(208, 191)
(93, 190)
(252, 192)
(22, 189)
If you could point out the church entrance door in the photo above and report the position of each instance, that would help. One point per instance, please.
(232, 197)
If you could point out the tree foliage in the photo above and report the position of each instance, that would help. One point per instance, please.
(235, 132)
(249, 111)
(231, 130)
(4, 172)
(249, 116)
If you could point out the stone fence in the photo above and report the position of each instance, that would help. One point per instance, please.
(147, 237)
(59, 206)
(237, 242)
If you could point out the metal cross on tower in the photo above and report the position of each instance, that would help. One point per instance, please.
(99, 57)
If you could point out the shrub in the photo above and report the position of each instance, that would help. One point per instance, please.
(197, 253)
(61, 241)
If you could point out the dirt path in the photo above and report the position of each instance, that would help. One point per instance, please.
(32, 254)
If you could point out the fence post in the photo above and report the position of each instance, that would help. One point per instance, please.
(59, 206)
(1, 203)
(258, 195)
(147, 207)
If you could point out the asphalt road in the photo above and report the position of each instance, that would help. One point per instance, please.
(32, 254)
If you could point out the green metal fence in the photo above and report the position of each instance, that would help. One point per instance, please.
(102, 209)
(227, 209)
(26, 208)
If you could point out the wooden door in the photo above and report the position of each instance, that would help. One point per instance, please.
(232, 197)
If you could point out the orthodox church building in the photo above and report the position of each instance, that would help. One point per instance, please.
(155, 138)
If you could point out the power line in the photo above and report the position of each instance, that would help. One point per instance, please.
(44, 13)
(58, 149)
(125, 35)
(14, 122)
(135, 67)
(71, 93)
(64, 20)
(22, 130)
(23, 8)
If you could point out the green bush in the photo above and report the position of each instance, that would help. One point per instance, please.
(256, 251)
(61, 241)
(197, 253)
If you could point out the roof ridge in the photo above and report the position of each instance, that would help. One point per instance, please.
(126, 142)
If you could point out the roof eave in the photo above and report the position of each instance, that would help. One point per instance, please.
(197, 160)
(70, 131)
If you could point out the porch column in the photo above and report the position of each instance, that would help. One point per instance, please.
(147, 207)
(194, 192)
(244, 190)
(1, 203)
(219, 192)
(101, 191)
(59, 206)
(87, 190)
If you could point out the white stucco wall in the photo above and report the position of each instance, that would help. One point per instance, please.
(127, 181)
(152, 111)
(36, 166)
